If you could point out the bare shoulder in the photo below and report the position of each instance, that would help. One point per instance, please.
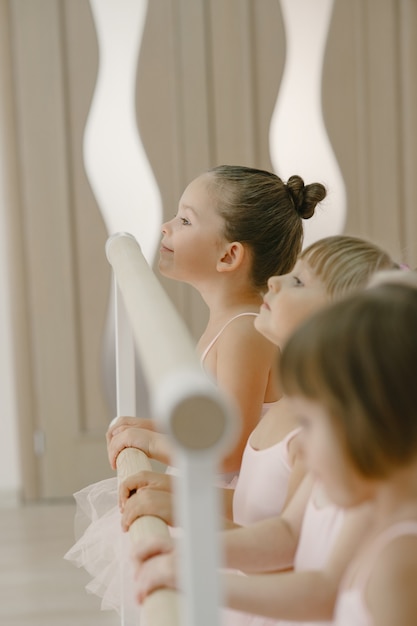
(246, 363)
(392, 587)
(241, 334)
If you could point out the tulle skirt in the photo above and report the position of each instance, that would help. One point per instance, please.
(103, 549)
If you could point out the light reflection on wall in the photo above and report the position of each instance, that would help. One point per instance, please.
(115, 160)
(116, 163)
(299, 143)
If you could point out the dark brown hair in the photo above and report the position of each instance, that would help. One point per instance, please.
(266, 214)
(358, 358)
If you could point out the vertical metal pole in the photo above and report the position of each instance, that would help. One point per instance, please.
(200, 554)
(125, 386)
(202, 423)
(125, 359)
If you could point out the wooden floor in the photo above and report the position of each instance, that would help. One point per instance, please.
(37, 587)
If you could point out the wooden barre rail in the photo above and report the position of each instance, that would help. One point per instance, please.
(153, 329)
(160, 608)
(191, 410)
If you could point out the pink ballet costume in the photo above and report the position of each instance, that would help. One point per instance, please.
(319, 530)
(351, 609)
(262, 487)
(260, 493)
(229, 480)
(102, 548)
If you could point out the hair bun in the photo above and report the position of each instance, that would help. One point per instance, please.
(305, 197)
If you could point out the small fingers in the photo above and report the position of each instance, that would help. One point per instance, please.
(156, 572)
(120, 423)
(147, 502)
(151, 547)
(144, 478)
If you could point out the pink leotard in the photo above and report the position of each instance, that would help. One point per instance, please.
(319, 530)
(262, 486)
(320, 527)
(229, 480)
(351, 609)
(260, 493)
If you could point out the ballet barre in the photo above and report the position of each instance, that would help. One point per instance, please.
(199, 419)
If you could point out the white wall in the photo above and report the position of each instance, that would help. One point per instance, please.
(10, 479)
(9, 465)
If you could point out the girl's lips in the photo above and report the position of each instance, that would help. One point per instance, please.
(165, 249)
(265, 305)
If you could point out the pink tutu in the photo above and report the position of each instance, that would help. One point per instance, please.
(103, 549)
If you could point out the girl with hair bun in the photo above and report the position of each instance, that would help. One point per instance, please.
(234, 228)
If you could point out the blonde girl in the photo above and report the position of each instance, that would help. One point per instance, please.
(271, 470)
(349, 372)
(234, 227)
(344, 265)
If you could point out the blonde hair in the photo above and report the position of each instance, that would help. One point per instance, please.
(345, 264)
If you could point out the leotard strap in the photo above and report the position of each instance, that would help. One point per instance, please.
(213, 341)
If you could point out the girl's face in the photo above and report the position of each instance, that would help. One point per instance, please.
(326, 457)
(290, 300)
(193, 238)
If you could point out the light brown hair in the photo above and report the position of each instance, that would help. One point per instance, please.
(358, 358)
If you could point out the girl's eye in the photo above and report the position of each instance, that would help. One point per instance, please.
(297, 281)
(184, 221)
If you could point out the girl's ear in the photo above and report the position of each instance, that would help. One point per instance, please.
(232, 257)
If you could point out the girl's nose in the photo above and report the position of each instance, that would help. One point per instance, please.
(164, 228)
(274, 283)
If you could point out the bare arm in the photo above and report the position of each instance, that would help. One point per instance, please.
(309, 595)
(300, 596)
(270, 544)
(244, 362)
